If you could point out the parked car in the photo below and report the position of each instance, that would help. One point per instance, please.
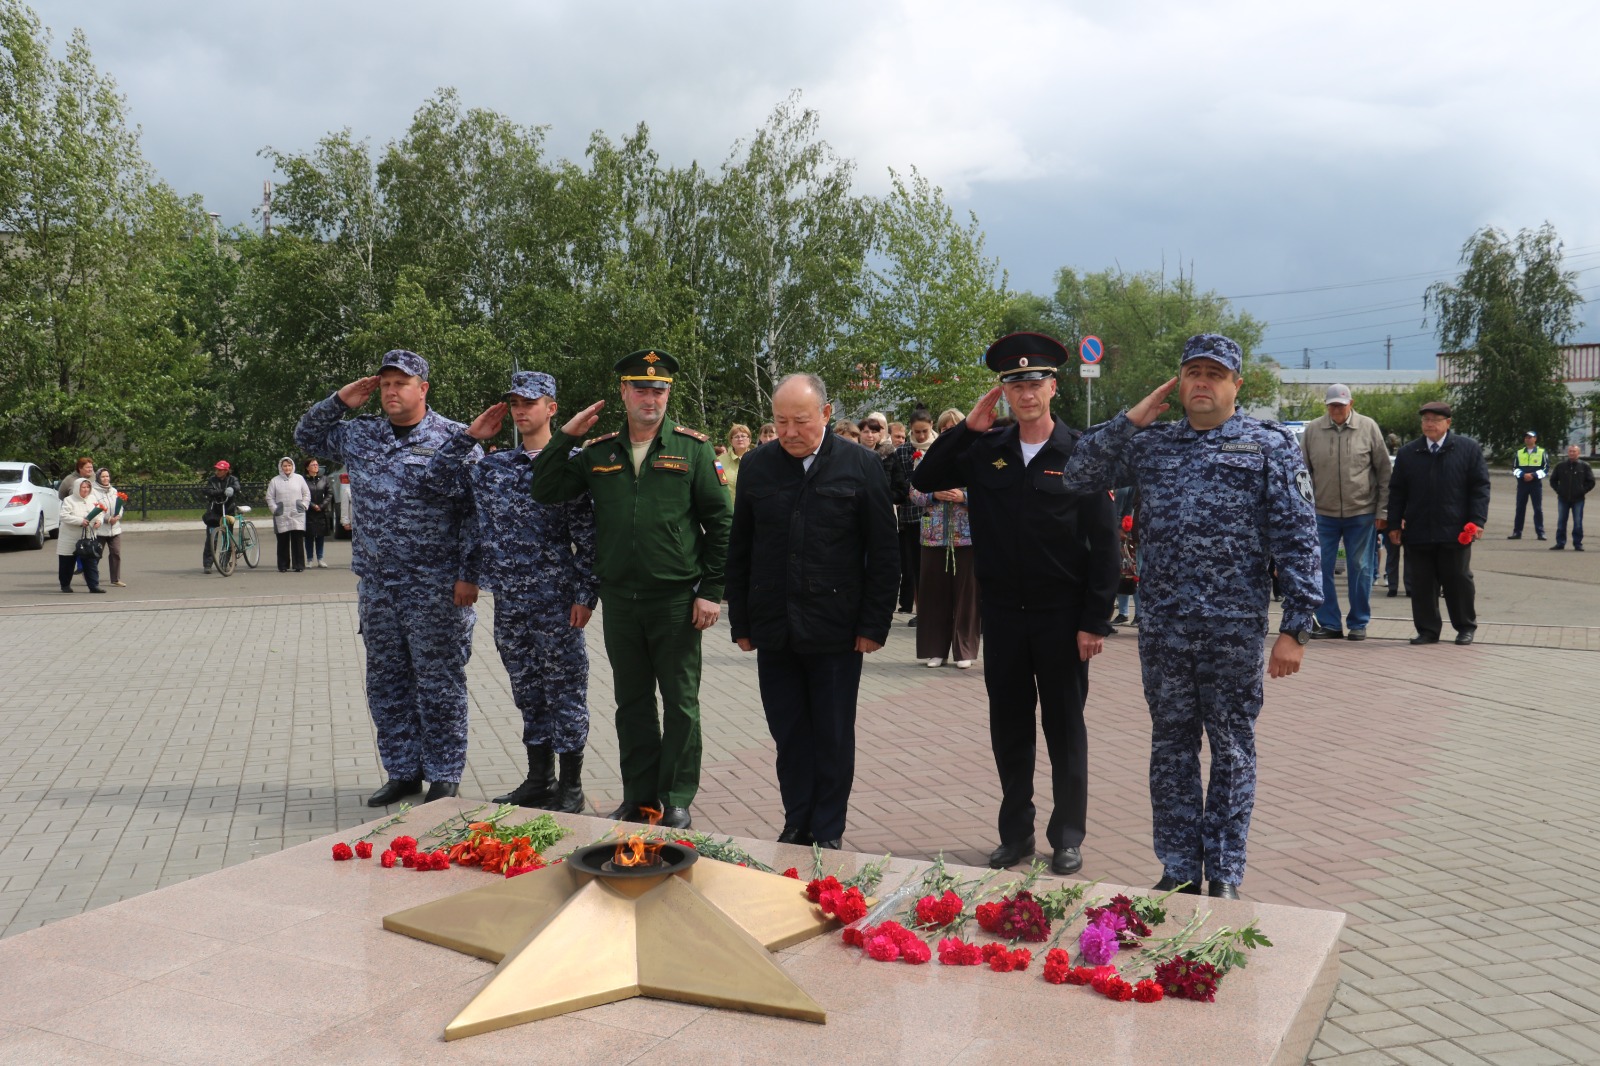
(29, 506)
(344, 514)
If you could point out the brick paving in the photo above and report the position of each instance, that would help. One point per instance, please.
(1442, 796)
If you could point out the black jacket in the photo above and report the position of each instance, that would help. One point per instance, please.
(217, 499)
(813, 561)
(319, 523)
(1572, 479)
(1038, 547)
(1435, 496)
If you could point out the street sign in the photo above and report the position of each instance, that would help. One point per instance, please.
(1089, 370)
(1090, 350)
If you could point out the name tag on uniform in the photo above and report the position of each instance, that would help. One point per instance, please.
(680, 466)
(418, 449)
(1246, 447)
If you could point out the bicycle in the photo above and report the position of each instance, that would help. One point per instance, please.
(232, 539)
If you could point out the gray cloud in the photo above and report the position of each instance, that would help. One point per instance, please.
(1277, 146)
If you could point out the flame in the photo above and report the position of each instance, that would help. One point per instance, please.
(638, 850)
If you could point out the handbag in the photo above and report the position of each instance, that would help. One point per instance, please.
(88, 548)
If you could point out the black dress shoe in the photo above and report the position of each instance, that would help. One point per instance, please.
(1223, 890)
(1066, 861)
(1319, 633)
(831, 845)
(1515, 536)
(1464, 637)
(393, 790)
(438, 790)
(1558, 547)
(626, 812)
(795, 836)
(1393, 593)
(1167, 884)
(1425, 638)
(675, 818)
(1011, 854)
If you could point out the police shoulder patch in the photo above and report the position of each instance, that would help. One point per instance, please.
(687, 432)
(604, 436)
(1302, 481)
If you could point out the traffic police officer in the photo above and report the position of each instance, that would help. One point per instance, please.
(415, 562)
(1533, 466)
(662, 513)
(538, 560)
(1048, 563)
(1222, 496)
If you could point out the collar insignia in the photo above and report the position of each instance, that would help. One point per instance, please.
(999, 464)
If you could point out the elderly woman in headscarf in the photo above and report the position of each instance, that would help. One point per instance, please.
(288, 497)
(105, 494)
(79, 521)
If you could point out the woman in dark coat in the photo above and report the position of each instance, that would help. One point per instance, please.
(319, 519)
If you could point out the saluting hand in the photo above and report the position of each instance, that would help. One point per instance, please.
(981, 420)
(583, 421)
(358, 391)
(1152, 406)
(487, 425)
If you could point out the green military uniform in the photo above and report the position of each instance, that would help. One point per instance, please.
(661, 542)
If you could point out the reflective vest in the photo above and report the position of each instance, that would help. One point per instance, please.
(1534, 458)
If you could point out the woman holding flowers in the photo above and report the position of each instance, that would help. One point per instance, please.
(81, 517)
(111, 501)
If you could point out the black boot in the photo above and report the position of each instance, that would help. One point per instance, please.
(568, 797)
(438, 790)
(540, 787)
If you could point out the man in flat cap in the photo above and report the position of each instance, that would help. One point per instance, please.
(1047, 563)
(538, 560)
(662, 512)
(1438, 505)
(417, 565)
(1349, 468)
(1532, 467)
(1220, 494)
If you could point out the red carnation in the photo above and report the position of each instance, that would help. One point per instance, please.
(401, 845)
(792, 872)
(388, 859)
(341, 852)
(1147, 991)
(989, 917)
(363, 849)
(883, 948)
(816, 887)
(408, 859)
(852, 908)
(916, 953)
(689, 844)
(1127, 523)
(954, 951)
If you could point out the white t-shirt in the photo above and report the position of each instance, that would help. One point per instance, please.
(1031, 450)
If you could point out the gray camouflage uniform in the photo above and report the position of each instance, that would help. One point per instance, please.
(409, 551)
(1217, 509)
(538, 560)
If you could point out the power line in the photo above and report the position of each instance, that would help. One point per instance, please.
(1576, 253)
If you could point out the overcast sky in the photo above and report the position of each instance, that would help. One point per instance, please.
(1349, 149)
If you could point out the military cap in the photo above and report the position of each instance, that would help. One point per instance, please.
(1213, 346)
(1532, 434)
(1026, 357)
(1435, 407)
(410, 362)
(531, 385)
(650, 368)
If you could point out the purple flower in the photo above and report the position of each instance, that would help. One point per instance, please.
(1097, 944)
(1111, 920)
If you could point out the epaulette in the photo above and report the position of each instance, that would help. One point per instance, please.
(603, 436)
(687, 432)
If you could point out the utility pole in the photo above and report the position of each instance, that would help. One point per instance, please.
(266, 208)
(1305, 358)
(1388, 351)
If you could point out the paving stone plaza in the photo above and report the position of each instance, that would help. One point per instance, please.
(1443, 797)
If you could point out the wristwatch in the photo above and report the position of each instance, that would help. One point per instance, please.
(1301, 636)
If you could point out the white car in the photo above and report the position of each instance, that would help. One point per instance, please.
(29, 506)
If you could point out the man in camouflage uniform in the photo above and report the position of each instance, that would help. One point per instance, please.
(662, 512)
(1222, 496)
(415, 562)
(538, 560)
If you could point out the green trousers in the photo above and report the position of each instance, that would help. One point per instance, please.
(653, 643)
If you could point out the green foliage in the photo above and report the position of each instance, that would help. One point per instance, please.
(1143, 320)
(1395, 410)
(1507, 314)
(930, 310)
(88, 306)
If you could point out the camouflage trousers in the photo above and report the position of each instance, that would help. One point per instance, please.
(548, 663)
(418, 643)
(1202, 676)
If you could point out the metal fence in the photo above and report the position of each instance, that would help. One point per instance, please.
(185, 497)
